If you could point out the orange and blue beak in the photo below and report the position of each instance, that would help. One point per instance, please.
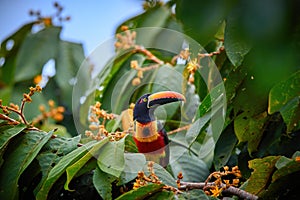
(143, 111)
(164, 97)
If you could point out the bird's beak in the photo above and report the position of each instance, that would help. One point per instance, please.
(164, 97)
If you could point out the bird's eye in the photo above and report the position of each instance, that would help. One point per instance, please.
(143, 100)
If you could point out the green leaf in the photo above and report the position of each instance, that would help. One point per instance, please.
(134, 163)
(8, 134)
(43, 46)
(250, 129)
(69, 58)
(195, 195)
(212, 101)
(7, 71)
(263, 168)
(153, 19)
(118, 91)
(111, 158)
(60, 168)
(5, 93)
(102, 182)
(235, 43)
(109, 73)
(233, 81)
(291, 114)
(22, 152)
(61, 130)
(285, 167)
(191, 166)
(74, 168)
(130, 145)
(195, 129)
(162, 174)
(224, 147)
(162, 195)
(189, 108)
(202, 19)
(283, 92)
(211, 109)
(142, 192)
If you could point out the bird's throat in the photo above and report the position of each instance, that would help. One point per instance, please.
(146, 132)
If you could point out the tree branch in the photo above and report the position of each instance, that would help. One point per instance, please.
(10, 120)
(232, 190)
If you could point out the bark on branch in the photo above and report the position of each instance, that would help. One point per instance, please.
(231, 190)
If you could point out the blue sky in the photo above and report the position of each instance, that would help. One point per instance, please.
(92, 21)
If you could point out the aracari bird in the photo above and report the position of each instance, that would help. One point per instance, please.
(150, 137)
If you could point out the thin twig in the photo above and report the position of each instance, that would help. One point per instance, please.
(148, 68)
(179, 129)
(20, 113)
(10, 120)
(232, 190)
(201, 55)
(139, 49)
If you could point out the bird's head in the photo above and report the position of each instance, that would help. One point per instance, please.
(144, 108)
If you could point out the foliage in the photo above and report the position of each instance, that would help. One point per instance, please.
(258, 60)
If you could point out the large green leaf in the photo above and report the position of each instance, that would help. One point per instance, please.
(195, 130)
(212, 102)
(191, 166)
(110, 71)
(210, 110)
(102, 182)
(235, 44)
(60, 168)
(234, 81)
(111, 158)
(283, 92)
(134, 162)
(291, 114)
(74, 168)
(250, 129)
(22, 152)
(224, 147)
(154, 19)
(69, 58)
(142, 192)
(7, 71)
(118, 91)
(263, 169)
(8, 134)
(282, 186)
(201, 19)
(36, 50)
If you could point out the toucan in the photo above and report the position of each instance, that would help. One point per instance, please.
(149, 136)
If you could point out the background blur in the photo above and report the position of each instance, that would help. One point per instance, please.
(91, 22)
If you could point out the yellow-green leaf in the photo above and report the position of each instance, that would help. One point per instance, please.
(75, 168)
(263, 169)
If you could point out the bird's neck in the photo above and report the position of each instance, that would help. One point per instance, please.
(146, 132)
